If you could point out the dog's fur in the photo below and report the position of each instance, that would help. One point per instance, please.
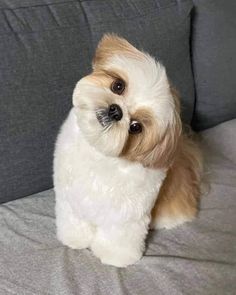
(112, 185)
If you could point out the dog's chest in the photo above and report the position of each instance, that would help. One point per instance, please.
(107, 189)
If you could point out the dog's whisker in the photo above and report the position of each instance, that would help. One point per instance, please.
(107, 128)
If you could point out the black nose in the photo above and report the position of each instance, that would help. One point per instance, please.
(115, 112)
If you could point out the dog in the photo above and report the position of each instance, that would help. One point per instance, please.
(122, 162)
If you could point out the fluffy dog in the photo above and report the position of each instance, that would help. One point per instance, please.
(122, 162)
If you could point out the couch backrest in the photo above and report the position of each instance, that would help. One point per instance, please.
(214, 61)
(46, 46)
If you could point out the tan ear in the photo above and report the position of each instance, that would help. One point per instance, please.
(164, 152)
(109, 45)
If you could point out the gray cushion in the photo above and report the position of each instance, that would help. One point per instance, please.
(195, 258)
(214, 61)
(46, 46)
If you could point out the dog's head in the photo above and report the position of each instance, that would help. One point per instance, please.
(126, 107)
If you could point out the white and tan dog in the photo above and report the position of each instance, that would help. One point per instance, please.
(122, 162)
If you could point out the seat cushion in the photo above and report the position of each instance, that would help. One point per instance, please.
(46, 47)
(195, 258)
(214, 61)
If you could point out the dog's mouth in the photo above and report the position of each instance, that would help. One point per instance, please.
(103, 118)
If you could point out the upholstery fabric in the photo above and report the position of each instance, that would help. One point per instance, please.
(214, 61)
(46, 47)
(196, 258)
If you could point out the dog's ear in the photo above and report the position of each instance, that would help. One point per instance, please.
(110, 45)
(162, 155)
(164, 152)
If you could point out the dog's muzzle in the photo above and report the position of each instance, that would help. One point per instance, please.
(112, 114)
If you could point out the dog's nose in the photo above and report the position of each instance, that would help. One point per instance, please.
(115, 112)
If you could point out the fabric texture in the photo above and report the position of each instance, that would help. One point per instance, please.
(46, 47)
(214, 61)
(195, 258)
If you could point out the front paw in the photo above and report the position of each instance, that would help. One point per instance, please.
(115, 255)
(74, 242)
(77, 236)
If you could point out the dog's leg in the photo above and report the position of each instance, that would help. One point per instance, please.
(179, 195)
(71, 231)
(121, 245)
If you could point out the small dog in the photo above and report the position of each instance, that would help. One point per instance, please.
(122, 163)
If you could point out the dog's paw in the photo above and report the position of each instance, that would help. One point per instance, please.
(73, 242)
(115, 255)
(76, 237)
(121, 258)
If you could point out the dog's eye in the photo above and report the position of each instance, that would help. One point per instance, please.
(118, 86)
(135, 127)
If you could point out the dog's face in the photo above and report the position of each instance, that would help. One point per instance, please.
(126, 108)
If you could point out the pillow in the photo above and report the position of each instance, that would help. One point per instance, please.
(46, 47)
(214, 61)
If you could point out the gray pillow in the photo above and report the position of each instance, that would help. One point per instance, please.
(214, 61)
(46, 46)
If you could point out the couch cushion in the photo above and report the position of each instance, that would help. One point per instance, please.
(214, 61)
(46, 46)
(195, 258)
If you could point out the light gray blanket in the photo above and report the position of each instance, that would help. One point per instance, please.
(196, 258)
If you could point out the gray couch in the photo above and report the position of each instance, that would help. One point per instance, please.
(45, 47)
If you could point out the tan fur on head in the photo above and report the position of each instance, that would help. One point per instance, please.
(152, 147)
(138, 146)
(109, 45)
(104, 78)
(164, 151)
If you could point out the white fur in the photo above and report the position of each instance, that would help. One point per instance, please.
(102, 202)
